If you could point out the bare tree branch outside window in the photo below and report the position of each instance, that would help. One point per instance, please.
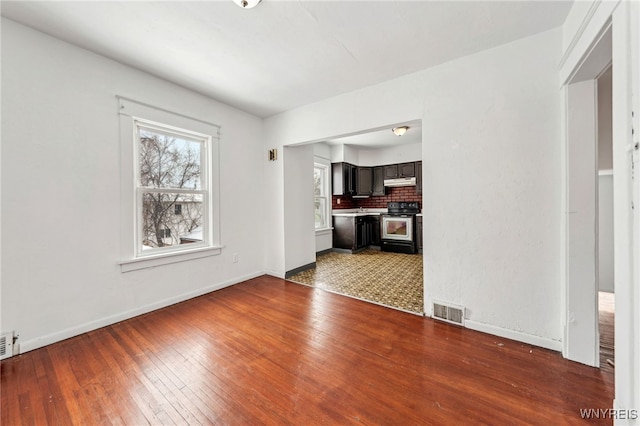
(168, 163)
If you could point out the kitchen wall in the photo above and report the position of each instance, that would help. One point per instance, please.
(491, 156)
(61, 192)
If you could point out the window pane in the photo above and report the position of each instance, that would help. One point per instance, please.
(161, 227)
(318, 181)
(168, 161)
(320, 213)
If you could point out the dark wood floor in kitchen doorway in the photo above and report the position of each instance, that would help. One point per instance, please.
(390, 279)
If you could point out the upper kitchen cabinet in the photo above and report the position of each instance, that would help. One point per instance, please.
(344, 178)
(378, 181)
(391, 171)
(407, 170)
(364, 181)
(418, 177)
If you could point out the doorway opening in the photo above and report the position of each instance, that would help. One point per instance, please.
(350, 259)
(589, 205)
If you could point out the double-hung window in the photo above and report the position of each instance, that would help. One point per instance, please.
(172, 173)
(321, 194)
(169, 186)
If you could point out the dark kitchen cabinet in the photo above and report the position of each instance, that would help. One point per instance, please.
(374, 225)
(344, 178)
(356, 232)
(407, 170)
(418, 177)
(419, 233)
(391, 171)
(378, 181)
(362, 232)
(364, 181)
(344, 232)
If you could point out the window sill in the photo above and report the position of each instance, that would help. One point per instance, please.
(167, 258)
(324, 231)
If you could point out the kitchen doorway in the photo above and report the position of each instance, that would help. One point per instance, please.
(366, 272)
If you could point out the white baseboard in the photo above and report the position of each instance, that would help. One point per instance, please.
(38, 342)
(274, 273)
(518, 336)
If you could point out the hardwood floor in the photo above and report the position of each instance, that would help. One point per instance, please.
(268, 351)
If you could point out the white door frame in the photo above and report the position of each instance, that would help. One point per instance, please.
(624, 17)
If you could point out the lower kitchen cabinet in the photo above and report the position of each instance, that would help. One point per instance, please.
(356, 232)
(419, 233)
(374, 225)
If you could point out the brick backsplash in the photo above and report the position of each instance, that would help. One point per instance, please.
(402, 193)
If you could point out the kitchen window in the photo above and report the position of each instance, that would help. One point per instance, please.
(321, 194)
(171, 164)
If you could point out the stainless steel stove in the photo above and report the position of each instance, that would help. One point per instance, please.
(398, 227)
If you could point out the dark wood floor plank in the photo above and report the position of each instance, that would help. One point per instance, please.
(268, 351)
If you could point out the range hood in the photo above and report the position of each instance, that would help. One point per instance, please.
(409, 181)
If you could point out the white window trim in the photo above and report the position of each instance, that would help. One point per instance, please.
(327, 191)
(132, 258)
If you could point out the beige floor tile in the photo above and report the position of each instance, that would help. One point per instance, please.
(391, 279)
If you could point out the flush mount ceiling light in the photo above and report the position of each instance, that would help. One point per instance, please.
(399, 131)
(247, 4)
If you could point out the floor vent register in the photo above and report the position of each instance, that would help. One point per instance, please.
(447, 312)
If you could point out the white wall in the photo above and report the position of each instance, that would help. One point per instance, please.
(61, 191)
(605, 124)
(390, 155)
(581, 332)
(491, 152)
(605, 232)
(605, 183)
(299, 228)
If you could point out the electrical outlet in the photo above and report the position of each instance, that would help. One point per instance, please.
(338, 201)
(235, 257)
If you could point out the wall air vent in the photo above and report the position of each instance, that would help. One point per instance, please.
(447, 312)
(6, 345)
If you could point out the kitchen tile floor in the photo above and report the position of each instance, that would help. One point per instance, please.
(389, 279)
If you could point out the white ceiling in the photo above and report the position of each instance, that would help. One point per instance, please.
(284, 54)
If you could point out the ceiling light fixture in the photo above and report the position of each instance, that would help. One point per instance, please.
(247, 4)
(399, 131)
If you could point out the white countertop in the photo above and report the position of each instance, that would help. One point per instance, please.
(358, 212)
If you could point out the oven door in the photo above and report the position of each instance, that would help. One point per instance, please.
(397, 228)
